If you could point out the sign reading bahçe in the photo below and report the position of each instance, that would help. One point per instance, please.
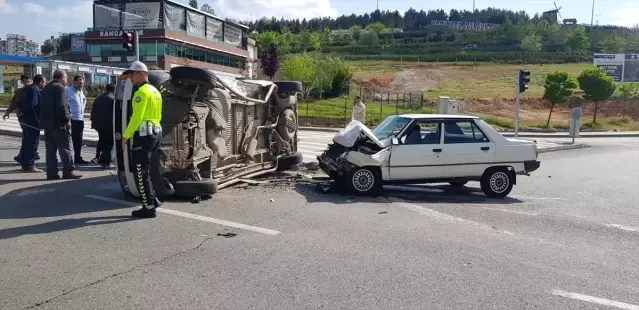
(232, 35)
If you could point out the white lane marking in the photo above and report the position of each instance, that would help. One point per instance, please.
(623, 227)
(449, 218)
(192, 216)
(510, 211)
(595, 300)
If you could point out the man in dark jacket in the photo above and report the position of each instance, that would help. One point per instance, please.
(29, 106)
(13, 106)
(102, 122)
(55, 120)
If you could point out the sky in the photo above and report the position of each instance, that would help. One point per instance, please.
(41, 19)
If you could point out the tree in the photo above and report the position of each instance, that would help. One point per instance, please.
(597, 86)
(356, 31)
(207, 8)
(376, 27)
(265, 39)
(193, 3)
(303, 68)
(270, 61)
(326, 37)
(613, 45)
(558, 86)
(531, 43)
(577, 40)
(308, 41)
(369, 38)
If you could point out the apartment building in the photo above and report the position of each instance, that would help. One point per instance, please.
(18, 45)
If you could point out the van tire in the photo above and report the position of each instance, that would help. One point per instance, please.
(287, 125)
(288, 86)
(199, 76)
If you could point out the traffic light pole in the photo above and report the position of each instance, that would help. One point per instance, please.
(136, 40)
(517, 105)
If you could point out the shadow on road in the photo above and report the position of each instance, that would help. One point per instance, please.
(444, 194)
(59, 198)
(61, 225)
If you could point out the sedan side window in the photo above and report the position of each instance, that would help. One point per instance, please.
(463, 132)
(423, 132)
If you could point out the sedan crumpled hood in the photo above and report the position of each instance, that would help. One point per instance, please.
(349, 135)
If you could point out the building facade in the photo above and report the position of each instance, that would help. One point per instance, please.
(170, 34)
(18, 45)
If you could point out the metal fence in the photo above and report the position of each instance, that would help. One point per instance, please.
(379, 105)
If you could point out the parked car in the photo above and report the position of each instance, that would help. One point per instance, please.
(426, 148)
(213, 132)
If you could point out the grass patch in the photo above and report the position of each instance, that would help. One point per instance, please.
(468, 80)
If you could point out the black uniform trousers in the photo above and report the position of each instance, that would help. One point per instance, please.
(58, 140)
(142, 150)
(105, 145)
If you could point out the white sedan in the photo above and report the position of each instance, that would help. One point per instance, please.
(427, 148)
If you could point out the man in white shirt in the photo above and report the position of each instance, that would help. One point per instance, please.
(359, 110)
(77, 104)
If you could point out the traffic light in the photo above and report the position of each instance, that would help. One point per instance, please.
(524, 79)
(127, 40)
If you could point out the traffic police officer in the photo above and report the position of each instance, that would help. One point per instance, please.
(146, 134)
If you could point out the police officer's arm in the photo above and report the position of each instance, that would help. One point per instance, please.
(139, 102)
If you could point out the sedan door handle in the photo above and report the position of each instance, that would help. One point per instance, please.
(437, 150)
(485, 148)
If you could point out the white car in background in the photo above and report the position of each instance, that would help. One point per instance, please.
(427, 148)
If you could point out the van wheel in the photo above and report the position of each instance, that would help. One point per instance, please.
(363, 181)
(287, 125)
(193, 75)
(458, 183)
(497, 182)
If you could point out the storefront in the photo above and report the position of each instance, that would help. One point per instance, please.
(94, 74)
(171, 34)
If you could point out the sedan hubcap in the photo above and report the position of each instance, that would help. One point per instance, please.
(499, 182)
(363, 180)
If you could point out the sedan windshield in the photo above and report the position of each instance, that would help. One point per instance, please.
(391, 126)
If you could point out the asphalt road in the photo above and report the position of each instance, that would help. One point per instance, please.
(566, 238)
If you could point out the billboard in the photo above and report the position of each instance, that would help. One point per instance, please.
(174, 18)
(195, 24)
(76, 40)
(620, 67)
(214, 30)
(141, 15)
(232, 35)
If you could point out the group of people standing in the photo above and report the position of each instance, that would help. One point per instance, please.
(59, 110)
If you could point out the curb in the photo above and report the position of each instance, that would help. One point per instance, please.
(12, 133)
(563, 148)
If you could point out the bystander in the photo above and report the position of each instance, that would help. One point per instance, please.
(77, 103)
(102, 122)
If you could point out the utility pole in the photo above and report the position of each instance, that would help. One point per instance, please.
(136, 37)
(517, 104)
(473, 5)
(592, 16)
(378, 5)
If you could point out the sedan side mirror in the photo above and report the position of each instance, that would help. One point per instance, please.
(395, 141)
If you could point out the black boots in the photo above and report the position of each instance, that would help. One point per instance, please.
(145, 212)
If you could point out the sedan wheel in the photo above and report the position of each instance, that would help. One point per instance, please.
(363, 181)
(497, 182)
